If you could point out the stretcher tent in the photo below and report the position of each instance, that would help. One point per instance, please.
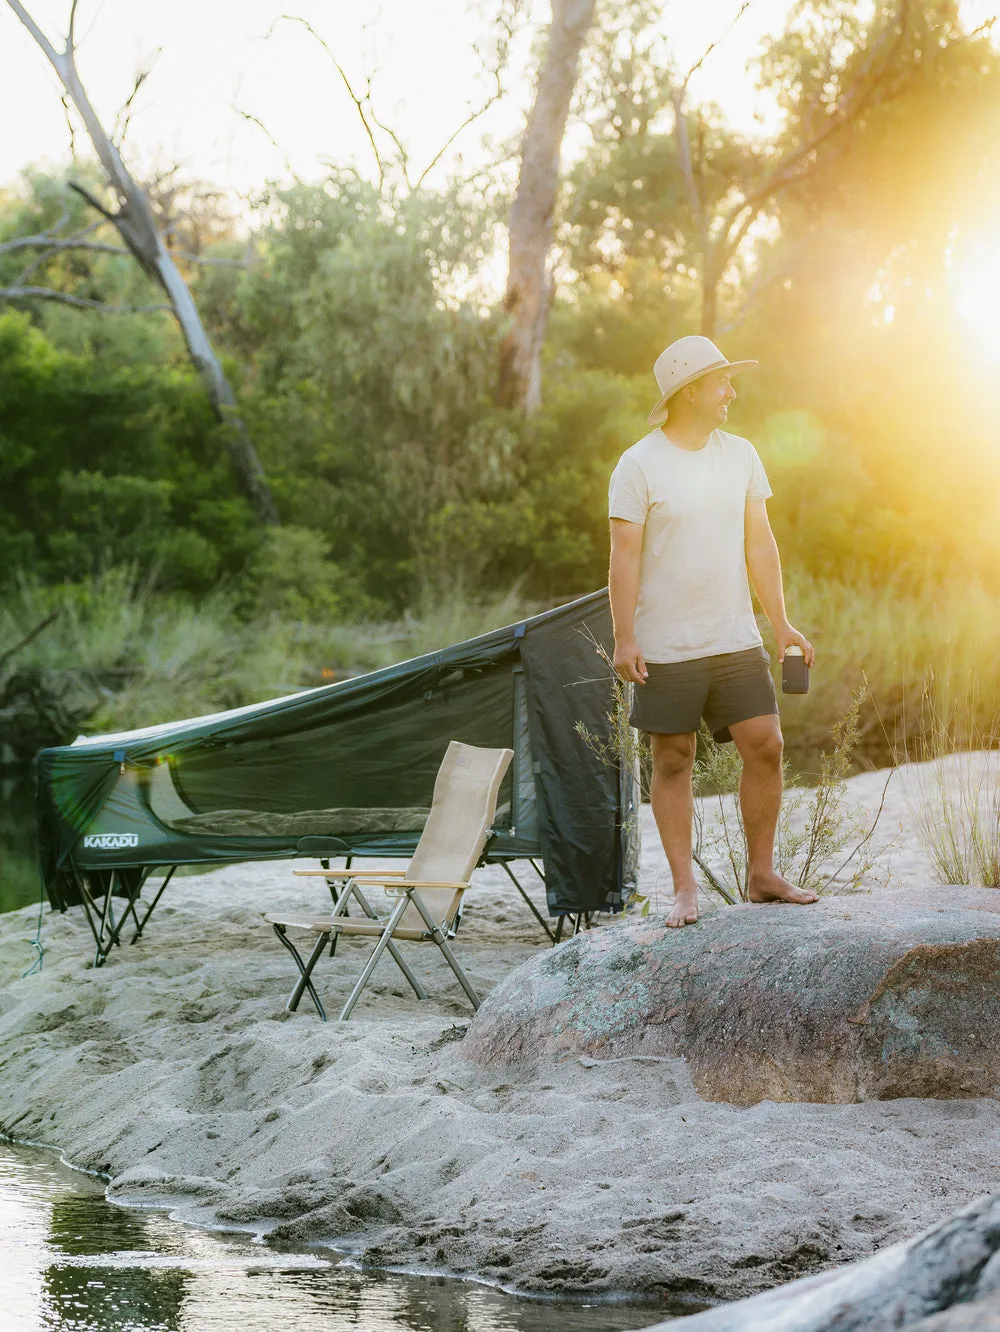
(348, 770)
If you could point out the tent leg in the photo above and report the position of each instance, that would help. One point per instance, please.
(149, 910)
(534, 910)
(133, 897)
(559, 928)
(378, 950)
(102, 949)
(87, 902)
(305, 971)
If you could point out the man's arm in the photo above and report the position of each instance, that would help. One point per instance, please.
(623, 585)
(764, 568)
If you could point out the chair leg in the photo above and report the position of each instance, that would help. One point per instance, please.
(305, 971)
(440, 937)
(394, 951)
(453, 962)
(384, 940)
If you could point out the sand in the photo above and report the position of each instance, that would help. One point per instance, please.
(177, 1072)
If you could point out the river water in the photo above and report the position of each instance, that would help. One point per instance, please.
(72, 1261)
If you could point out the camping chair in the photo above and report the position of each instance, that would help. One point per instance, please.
(428, 892)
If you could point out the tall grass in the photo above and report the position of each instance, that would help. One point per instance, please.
(121, 655)
(893, 634)
(953, 791)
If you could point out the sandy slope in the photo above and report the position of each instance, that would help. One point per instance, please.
(176, 1070)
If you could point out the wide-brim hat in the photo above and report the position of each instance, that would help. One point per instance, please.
(682, 363)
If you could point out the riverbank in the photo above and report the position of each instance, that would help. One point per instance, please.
(176, 1071)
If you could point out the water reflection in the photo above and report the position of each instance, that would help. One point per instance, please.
(69, 1259)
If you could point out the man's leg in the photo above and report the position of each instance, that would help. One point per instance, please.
(760, 744)
(673, 807)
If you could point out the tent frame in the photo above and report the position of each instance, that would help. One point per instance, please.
(576, 830)
(107, 928)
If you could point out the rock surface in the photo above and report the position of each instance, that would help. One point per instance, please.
(908, 1285)
(852, 999)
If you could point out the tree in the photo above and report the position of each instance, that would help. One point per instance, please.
(527, 296)
(135, 223)
(835, 98)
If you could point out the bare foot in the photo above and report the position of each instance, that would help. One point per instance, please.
(771, 887)
(685, 909)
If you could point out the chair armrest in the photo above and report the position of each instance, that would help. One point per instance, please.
(378, 875)
(423, 883)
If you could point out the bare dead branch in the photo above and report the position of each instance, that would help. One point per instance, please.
(216, 261)
(57, 244)
(94, 202)
(402, 156)
(469, 120)
(359, 103)
(136, 223)
(71, 128)
(255, 120)
(124, 117)
(57, 58)
(71, 34)
(78, 302)
(711, 47)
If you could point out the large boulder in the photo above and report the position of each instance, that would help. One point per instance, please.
(951, 1267)
(851, 999)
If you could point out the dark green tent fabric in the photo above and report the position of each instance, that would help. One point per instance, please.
(349, 769)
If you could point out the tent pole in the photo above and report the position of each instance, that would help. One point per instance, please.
(149, 911)
(534, 910)
(86, 901)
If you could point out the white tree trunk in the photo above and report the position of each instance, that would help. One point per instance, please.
(137, 227)
(527, 297)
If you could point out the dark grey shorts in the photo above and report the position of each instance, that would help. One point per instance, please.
(731, 687)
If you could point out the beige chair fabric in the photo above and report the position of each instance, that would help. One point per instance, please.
(454, 837)
(462, 811)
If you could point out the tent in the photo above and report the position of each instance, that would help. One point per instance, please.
(348, 770)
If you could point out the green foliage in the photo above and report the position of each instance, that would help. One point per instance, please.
(102, 464)
(363, 338)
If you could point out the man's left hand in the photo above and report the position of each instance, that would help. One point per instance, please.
(785, 636)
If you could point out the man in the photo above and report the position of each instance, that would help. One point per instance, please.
(688, 523)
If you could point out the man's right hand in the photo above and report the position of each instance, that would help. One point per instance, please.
(629, 663)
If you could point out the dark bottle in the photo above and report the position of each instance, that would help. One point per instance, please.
(794, 672)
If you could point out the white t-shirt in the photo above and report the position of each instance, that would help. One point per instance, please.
(694, 597)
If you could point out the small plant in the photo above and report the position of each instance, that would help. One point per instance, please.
(953, 791)
(818, 837)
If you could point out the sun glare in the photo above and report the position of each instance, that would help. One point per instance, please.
(976, 281)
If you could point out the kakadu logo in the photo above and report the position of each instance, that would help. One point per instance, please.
(110, 841)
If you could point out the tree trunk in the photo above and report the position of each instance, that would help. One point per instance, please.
(709, 302)
(527, 299)
(136, 225)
